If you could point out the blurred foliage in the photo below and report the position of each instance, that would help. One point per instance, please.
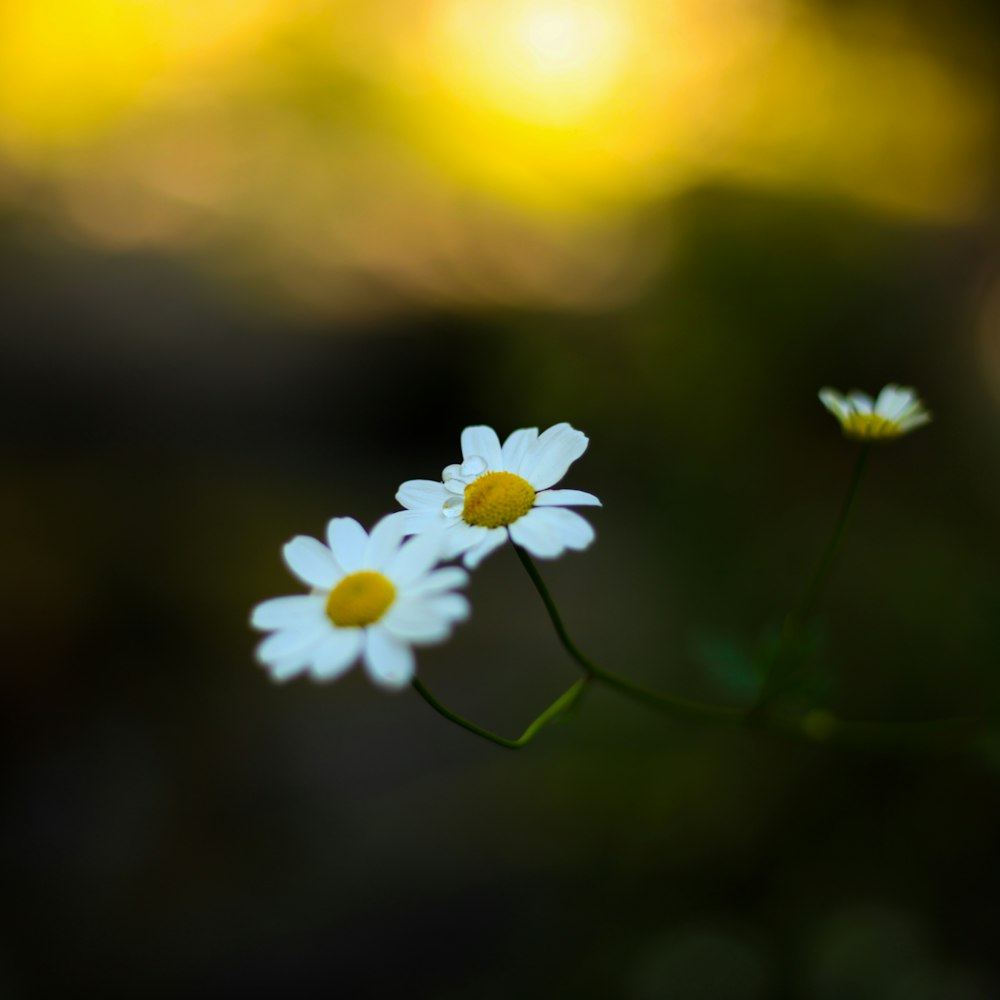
(788, 659)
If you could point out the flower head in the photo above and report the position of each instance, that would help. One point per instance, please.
(895, 412)
(374, 597)
(503, 491)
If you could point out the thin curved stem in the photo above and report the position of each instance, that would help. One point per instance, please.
(817, 726)
(680, 707)
(563, 704)
(821, 572)
(777, 665)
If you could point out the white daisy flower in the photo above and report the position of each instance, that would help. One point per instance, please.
(896, 411)
(374, 597)
(501, 491)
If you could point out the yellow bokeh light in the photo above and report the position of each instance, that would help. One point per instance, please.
(65, 66)
(549, 62)
(70, 69)
(455, 150)
(584, 106)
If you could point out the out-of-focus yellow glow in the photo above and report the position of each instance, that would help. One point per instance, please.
(466, 150)
(65, 65)
(70, 68)
(579, 106)
(549, 62)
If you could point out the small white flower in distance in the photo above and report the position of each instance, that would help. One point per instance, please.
(374, 597)
(501, 491)
(896, 411)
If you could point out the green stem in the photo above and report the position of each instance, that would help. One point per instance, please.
(821, 572)
(777, 664)
(679, 707)
(934, 736)
(559, 707)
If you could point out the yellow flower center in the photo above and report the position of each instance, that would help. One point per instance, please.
(497, 499)
(360, 599)
(870, 427)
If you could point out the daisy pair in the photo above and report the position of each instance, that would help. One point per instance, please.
(377, 596)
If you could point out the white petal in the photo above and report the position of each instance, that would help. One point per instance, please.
(421, 495)
(461, 537)
(885, 398)
(893, 402)
(291, 641)
(347, 540)
(418, 632)
(312, 562)
(566, 498)
(390, 662)
(570, 528)
(336, 653)
(835, 403)
(383, 543)
(549, 458)
(482, 441)
(416, 621)
(534, 533)
(439, 581)
(490, 541)
(860, 401)
(416, 522)
(284, 612)
(914, 421)
(912, 405)
(474, 465)
(453, 488)
(415, 557)
(451, 472)
(451, 607)
(426, 619)
(516, 447)
(284, 668)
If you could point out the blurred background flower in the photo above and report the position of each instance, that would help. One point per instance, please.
(262, 262)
